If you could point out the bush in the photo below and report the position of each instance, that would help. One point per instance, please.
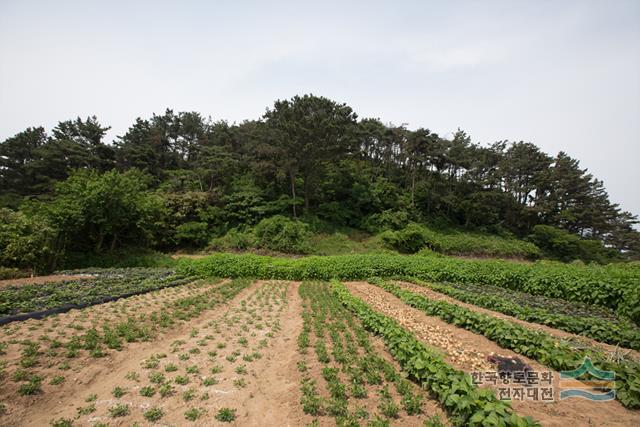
(595, 251)
(26, 241)
(564, 246)
(555, 243)
(12, 273)
(234, 240)
(477, 244)
(385, 220)
(124, 258)
(194, 234)
(410, 239)
(416, 237)
(282, 234)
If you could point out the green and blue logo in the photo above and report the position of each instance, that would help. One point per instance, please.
(588, 382)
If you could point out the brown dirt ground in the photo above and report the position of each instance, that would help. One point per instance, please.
(64, 327)
(576, 340)
(468, 352)
(38, 280)
(271, 380)
(270, 397)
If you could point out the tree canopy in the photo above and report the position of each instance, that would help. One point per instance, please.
(180, 178)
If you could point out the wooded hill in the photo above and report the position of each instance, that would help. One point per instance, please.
(180, 179)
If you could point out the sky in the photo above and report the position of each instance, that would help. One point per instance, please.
(564, 75)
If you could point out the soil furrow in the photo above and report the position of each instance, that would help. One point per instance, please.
(240, 357)
(577, 341)
(80, 371)
(468, 352)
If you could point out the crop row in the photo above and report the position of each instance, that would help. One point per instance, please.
(108, 335)
(353, 371)
(553, 305)
(84, 291)
(612, 286)
(186, 373)
(621, 333)
(467, 404)
(536, 345)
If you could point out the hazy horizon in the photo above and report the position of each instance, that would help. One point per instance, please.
(563, 76)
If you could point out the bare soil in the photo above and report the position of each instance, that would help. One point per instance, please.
(65, 326)
(54, 362)
(240, 355)
(249, 343)
(468, 352)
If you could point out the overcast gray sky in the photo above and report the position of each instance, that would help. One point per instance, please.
(564, 75)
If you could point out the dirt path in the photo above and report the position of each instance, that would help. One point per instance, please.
(275, 398)
(241, 357)
(576, 340)
(468, 352)
(38, 280)
(188, 256)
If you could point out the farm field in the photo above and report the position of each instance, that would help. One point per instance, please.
(246, 340)
(406, 249)
(85, 287)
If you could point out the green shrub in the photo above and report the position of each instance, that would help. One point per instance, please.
(282, 234)
(417, 237)
(595, 251)
(386, 220)
(410, 239)
(125, 258)
(233, 240)
(26, 241)
(193, 234)
(564, 246)
(12, 273)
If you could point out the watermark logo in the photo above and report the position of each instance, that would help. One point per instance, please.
(587, 382)
(518, 385)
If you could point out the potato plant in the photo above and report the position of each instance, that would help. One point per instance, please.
(570, 317)
(358, 385)
(466, 404)
(104, 284)
(537, 345)
(614, 286)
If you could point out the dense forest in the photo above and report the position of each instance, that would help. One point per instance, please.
(179, 180)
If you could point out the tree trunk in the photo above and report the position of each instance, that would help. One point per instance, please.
(113, 242)
(293, 192)
(99, 244)
(413, 188)
(306, 195)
